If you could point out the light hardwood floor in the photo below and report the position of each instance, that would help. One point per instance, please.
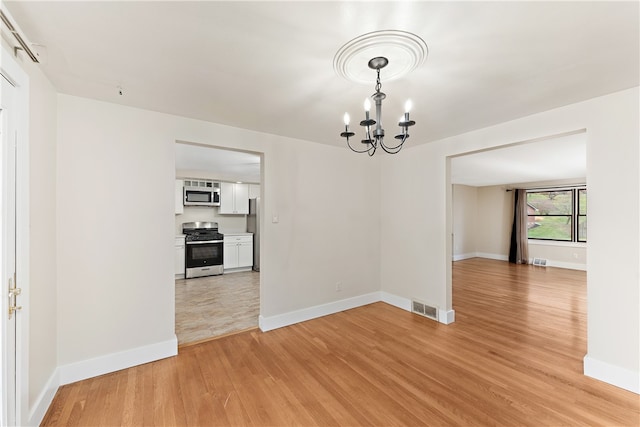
(513, 357)
(212, 306)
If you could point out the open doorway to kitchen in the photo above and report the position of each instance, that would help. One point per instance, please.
(217, 287)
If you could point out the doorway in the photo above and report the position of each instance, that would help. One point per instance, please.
(212, 306)
(479, 200)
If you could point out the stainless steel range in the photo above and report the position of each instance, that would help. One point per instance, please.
(204, 249)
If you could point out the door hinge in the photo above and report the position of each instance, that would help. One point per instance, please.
(13, 296)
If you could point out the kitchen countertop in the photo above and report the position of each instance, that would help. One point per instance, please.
(236, 233)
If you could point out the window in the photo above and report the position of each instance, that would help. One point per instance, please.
(559, 214)
(582, 215)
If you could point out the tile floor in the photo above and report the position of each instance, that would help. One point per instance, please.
(210, 306)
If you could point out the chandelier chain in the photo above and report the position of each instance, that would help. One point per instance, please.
(378, 83)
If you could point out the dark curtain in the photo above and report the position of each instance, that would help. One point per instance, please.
(519, 248)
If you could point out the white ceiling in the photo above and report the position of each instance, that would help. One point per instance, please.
(224, 164)
(554, 159)
(268, 65)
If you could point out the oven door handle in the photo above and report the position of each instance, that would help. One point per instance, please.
(205, 242)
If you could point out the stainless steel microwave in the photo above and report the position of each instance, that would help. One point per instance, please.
(201, 193)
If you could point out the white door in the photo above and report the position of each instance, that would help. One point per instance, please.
(10, 292)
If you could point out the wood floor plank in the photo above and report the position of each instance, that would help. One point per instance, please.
(513, 357)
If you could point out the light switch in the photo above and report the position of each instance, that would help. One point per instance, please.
(275, 219)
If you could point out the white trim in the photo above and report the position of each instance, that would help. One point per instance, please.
(297, 316)
(302, 315)
(101, 365)
(396, 301)
(446, 316)
(44, 399)
(567, 265)
(460, 257)
(538, 242)
(499, 257)
(14, 73)
(612, 374)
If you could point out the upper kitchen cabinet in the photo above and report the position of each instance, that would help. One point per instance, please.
(179, 197)
(234, 198)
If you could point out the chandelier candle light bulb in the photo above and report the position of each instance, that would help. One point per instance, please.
(346, 133)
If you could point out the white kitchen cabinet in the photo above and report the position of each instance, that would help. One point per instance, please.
(234, 198)
(179, 197)
(180, 254)
(238, 251)
(254, 191)
(245, 253)
(230, 255)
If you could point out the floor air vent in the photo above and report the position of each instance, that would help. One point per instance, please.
(424, 310)
(540, 261)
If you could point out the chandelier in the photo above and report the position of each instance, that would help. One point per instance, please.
(373, 131)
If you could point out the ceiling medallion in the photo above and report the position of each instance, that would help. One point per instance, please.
(405, 52)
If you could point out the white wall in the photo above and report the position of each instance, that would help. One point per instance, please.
(414, 245)
(560, 254)
(113, 260)
(416, 250)
(115, 270)
(465, 221)
(43, 232)
(326, 199)
(613, 276)
(495, 214)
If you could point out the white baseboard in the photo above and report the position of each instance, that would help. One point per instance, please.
(460, 257)
(612, 374)
(396, 301)
(444, 316)
(498, 257)
(550, 263)
(297, 316)
(567, 265)
(293, 317)
(84, 369)
(44, 399)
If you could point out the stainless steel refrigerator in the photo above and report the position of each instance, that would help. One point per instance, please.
(253, 226)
